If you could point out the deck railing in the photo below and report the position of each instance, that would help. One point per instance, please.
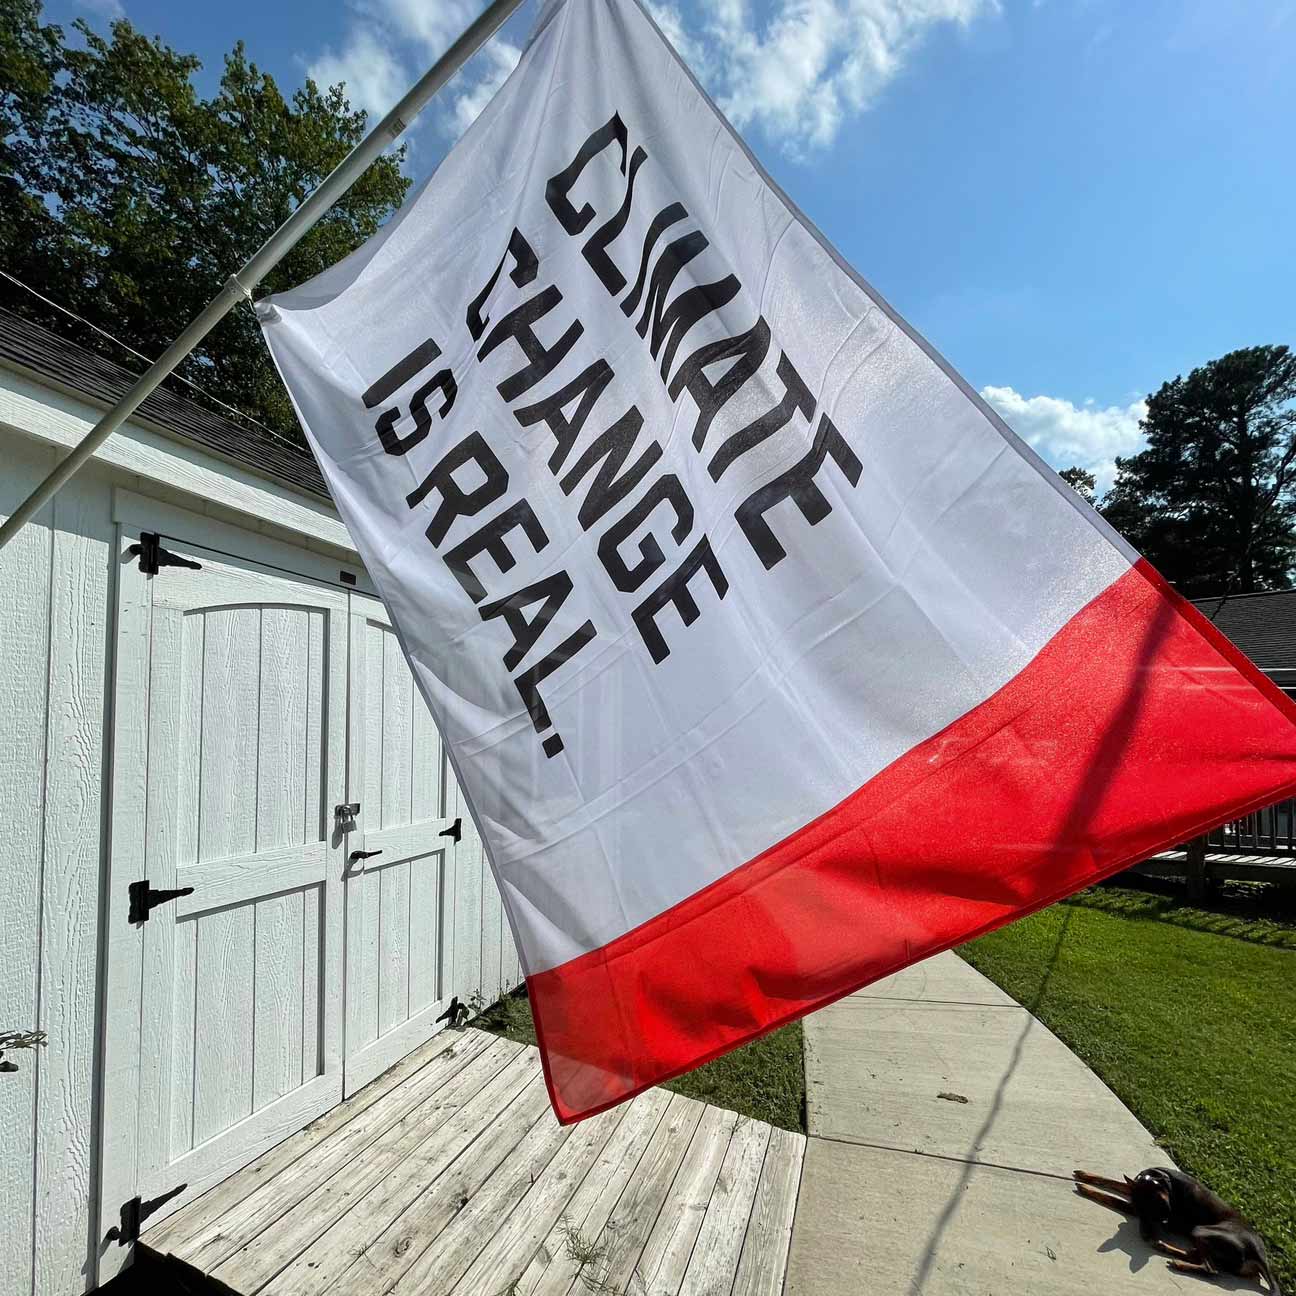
(1271, 831)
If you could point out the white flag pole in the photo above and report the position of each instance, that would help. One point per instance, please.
(271, 252)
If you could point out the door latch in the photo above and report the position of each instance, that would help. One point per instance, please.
(143, 898)
(454, 832)
(356, 856)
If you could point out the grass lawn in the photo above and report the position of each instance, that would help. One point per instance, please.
(764, 1079)
(1189, 1014)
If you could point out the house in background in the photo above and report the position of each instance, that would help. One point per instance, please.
(241, 728)
(1263, 626)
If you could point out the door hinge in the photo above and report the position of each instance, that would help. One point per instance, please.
(152, 557)
(454, 832)
(143, 898)
(133, 1215)
(456, 1014)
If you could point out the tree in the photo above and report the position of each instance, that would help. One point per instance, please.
(1211, 501)
(29, 63)
(1083, 483)
(130, 198)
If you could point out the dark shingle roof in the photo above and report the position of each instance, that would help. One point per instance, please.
(1262, 625)
(46, 354)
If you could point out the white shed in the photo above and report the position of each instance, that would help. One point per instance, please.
(204, 730)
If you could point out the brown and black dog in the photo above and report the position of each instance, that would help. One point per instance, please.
(1169, 1201)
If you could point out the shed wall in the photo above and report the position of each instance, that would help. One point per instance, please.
(57, 631)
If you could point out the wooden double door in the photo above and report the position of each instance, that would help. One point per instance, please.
(273, 764)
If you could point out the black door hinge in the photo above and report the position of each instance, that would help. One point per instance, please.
(456, 1014)
(143, 898)
(152, 557)
(454, 832)
(133, 1215)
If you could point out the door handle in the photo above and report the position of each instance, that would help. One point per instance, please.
(362, 855)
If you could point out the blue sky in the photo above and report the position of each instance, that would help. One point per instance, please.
(1072, 199)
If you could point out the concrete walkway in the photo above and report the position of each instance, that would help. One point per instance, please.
(944, 1124)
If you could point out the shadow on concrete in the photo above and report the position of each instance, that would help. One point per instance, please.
(1127, 1238)
(1106, 761)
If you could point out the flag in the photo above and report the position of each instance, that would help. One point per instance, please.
(768, 659)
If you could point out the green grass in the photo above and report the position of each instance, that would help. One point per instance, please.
(1189, 1014)
(764, 1079)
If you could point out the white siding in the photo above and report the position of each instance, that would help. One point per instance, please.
(54, 603)
(57, 632)
(24, 662)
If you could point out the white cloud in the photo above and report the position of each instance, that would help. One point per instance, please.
(501, 58)
(111, 9)
(1086, 435)
(801, 69)
(691, 49)
(374, 77)
(391, 43)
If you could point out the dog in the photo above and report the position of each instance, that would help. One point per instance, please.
(1169, 1201)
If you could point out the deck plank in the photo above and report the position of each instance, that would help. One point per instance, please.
(551, 1268)
(219, 1235)
(451, 1175)
(176, 1232)
(635, 1214)
(509, 1248)
(446, 1257)
(769, 1231)
(714, 1261)
(374, 1246)
(670, 1244)
(257, 1261)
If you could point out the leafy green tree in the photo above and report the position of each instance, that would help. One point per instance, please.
(1212, 500)
(30, 59)
(130, 198)
(1083, 483)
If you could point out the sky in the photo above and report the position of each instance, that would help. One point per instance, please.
(1072, 200)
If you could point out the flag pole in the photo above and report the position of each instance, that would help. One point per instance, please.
(240, 284)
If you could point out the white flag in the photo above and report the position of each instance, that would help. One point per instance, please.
(768, 659)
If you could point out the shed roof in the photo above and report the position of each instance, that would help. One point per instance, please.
(1262, 625)
(33, 347)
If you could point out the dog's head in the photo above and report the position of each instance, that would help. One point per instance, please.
(1150, 1192)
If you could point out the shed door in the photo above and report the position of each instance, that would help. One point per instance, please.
(398, 943)
(240, 997)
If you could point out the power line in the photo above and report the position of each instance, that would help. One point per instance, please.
(71, 314)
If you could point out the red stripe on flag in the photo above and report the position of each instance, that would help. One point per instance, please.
(1137, 727)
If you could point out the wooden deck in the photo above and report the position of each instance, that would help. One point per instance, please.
(1224, 865)
(449, 1176)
